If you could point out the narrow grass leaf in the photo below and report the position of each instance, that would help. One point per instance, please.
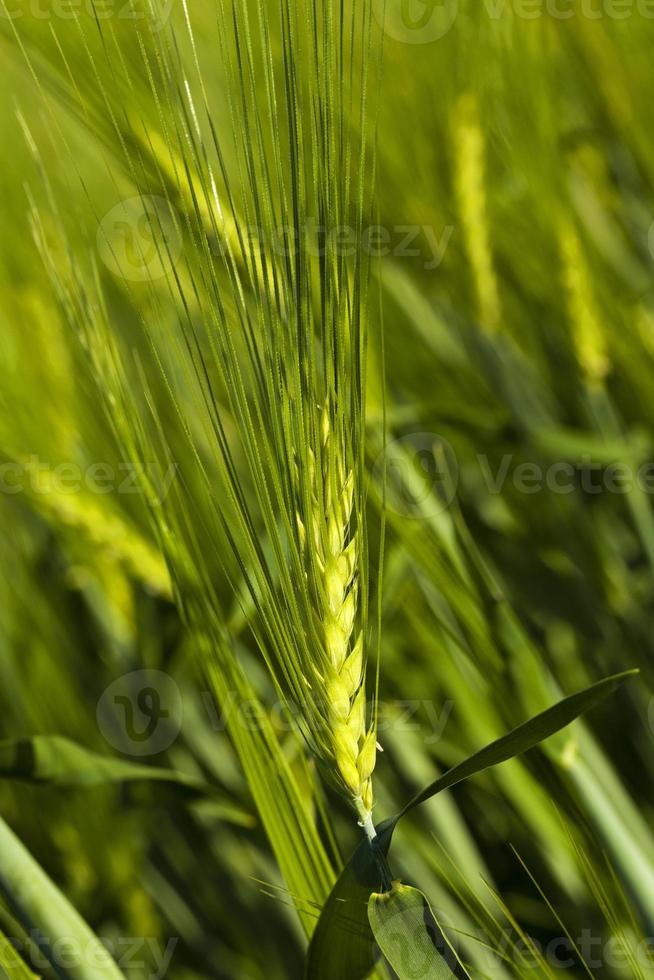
(524, 737)
(12, 965)
(53, 760)
(40, 907)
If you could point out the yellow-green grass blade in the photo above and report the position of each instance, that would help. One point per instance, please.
(39, 905)
(12, 965)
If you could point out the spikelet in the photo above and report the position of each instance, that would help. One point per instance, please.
(334, 542)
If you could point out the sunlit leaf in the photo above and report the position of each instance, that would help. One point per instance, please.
(12, 965)
(41, 908)
(409, 936)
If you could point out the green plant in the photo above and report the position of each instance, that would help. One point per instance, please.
(301, 279)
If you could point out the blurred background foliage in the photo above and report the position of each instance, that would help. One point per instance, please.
(519, 329)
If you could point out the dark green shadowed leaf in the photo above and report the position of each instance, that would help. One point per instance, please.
(409, 936)
(52, 760)
(342, 947)
(524, 737)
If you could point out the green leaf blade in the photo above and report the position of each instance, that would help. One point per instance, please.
(12, 965)
(40, 907)
(58, 761)
(524, 737)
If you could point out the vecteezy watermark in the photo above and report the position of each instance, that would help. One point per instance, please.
(143, 957)
(569, 9)
(402, 716)
(33, 475)
(149, 15)
(420, 471)
(421, 242)
(141, 713)
(588, 475)
(416, 21)
(426, 21)
(140, 238)
(514, 948)
(566, 952)
(650, 714)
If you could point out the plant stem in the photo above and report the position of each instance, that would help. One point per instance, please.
(365, 819)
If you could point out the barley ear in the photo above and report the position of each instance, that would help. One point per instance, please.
(335, 542)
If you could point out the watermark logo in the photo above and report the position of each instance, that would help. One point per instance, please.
(421, 473)
(142, 957)
(140, 238)
(152, 15)
(426, 21)
(141, 713)
(420, 717)
(416, 21)
(32, 475)
(427, 244)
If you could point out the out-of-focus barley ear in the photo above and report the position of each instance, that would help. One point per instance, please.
(469, 152)
(587, 329)
(103, 528)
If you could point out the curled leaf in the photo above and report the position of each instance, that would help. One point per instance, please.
(410, 937)
(52, 760)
